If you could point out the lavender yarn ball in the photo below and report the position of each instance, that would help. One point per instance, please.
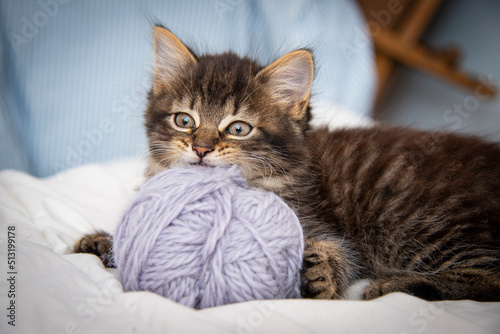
(201, 237)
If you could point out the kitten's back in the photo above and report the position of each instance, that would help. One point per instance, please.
(411, 201)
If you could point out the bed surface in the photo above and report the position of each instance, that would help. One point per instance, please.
(60, 292)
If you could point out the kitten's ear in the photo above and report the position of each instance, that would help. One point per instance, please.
(171, 58)
(289, 80)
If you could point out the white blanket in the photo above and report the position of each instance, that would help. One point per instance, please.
(54, 291)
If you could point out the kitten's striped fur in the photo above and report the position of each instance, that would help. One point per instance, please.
(413, 211)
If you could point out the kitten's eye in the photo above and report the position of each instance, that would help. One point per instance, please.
(183, 120)
(239, 129)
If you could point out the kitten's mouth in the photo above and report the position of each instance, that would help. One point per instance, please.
(201, 164)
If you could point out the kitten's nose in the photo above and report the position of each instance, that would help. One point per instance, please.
(202, 151)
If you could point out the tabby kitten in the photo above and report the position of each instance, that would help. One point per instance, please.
(412, 211)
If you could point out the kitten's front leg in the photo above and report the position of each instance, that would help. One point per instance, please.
(99, 244)
(326, 271)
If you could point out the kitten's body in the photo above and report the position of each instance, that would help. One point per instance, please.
(421, 211)
(413, 211)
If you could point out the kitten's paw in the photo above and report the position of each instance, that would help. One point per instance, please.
(319, 271)
(379, 288)
(99, 244)
(409, 284)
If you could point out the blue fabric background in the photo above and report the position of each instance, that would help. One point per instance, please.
(74, 74)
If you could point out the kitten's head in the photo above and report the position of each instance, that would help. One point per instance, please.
(219, 110)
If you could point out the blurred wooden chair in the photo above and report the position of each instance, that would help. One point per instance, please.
(397, 27)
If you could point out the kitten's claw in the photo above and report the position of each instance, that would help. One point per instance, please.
(318, 271)
(99, 244)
